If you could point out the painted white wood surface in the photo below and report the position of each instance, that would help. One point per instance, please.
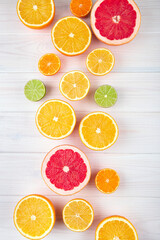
(135, 156)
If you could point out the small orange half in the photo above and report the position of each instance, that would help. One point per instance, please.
(107, 180)
(36, 13)
(49, 64)
(80, 8)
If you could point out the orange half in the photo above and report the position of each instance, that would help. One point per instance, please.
(36, 13)
(31, 213)
(55, 119)
(49, 64)
(81, 8)
(116, 228)
(107, 180)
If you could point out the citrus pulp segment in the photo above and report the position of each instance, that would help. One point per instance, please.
(98, 131)
(80, 8)
(115, 22)
(116, 228)
(74, 85)
(36, 13)
(107, 180)
(31, 213)
(78, 215)
(49, 64)
(105, 96)
(100, 61)
(34, 90)
(55, 119)
(66, 170)
(71, 36)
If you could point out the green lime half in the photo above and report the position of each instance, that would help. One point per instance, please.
(105, 96)
(34, 90)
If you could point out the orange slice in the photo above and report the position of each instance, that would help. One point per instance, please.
(100, 61)
(107, 180)
(74, 85)
(98, 131)
(49, 64)
(31, 213)
(71, 36)
(55, 119)
(81, 8)
(78, 215)
(116, 228)
(36, 13)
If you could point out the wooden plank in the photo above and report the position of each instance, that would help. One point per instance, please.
(142, 212)
(21, 54)
(137, 92)
(139, 174)
(10, 22)
(138, 133)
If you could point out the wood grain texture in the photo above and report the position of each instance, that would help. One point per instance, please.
(136, 154)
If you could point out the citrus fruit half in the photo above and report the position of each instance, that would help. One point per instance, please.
(105, 96)
(78, 215)
(34, 90)
(98, 131)
(36, 13)
(66, 170)
(107, 180)
(115, 22)
(49, 64)
(100, 61)
(55, 119)
(80, 8)
(71, 36)
(74, 85)
(116, 228)
(31, 213)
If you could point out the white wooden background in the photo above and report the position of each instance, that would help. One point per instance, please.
(136, 154)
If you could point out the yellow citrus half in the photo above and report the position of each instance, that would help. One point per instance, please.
(74, 85)
(36, 13)
(78, 215)
(31, 213)
(116, 228)
(98, 131)
(100, 61)
(71, 36)
(55, 119)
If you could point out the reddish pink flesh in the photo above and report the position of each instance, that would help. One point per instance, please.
(66, 180)
(120, 11)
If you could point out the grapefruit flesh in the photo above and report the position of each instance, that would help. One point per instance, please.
(66, 170)
(115, 22)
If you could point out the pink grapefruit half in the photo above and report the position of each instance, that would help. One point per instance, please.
(115, 22)
(66, 170)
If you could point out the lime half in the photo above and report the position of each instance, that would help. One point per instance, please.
(105, 96)
(34, 90)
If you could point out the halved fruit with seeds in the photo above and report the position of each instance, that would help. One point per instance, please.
(98, 131)
(116, 228)
(74, 85)
(55, 119)
(71, 36)
(115, 22)
(66, 170)
(31, 213)
(36, 13)
(78, 215)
